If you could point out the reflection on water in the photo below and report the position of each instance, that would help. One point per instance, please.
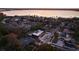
(47, 13)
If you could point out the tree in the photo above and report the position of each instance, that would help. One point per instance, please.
(2, 30)
(76, 36)
(37, 26)
(13, 41)
(2, 16)
(45, 47)
(10, 42)
(55, 37)
(3, 42)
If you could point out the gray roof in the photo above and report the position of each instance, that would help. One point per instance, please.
(26, 41)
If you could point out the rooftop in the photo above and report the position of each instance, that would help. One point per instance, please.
(38, 32)
(26, 40)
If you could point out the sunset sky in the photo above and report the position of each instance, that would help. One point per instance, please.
(47, 13)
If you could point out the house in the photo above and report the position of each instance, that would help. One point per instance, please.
(59, 43)
(46, 38)
(38, 33)
(26, 41)
(66, 30)
(16, 19)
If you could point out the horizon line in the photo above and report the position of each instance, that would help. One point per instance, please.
(75, 9)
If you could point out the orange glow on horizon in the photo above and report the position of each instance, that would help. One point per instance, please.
(46, 13)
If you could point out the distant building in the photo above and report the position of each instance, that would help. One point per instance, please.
(16, 19)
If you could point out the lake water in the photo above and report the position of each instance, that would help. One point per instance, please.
(46, 13)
